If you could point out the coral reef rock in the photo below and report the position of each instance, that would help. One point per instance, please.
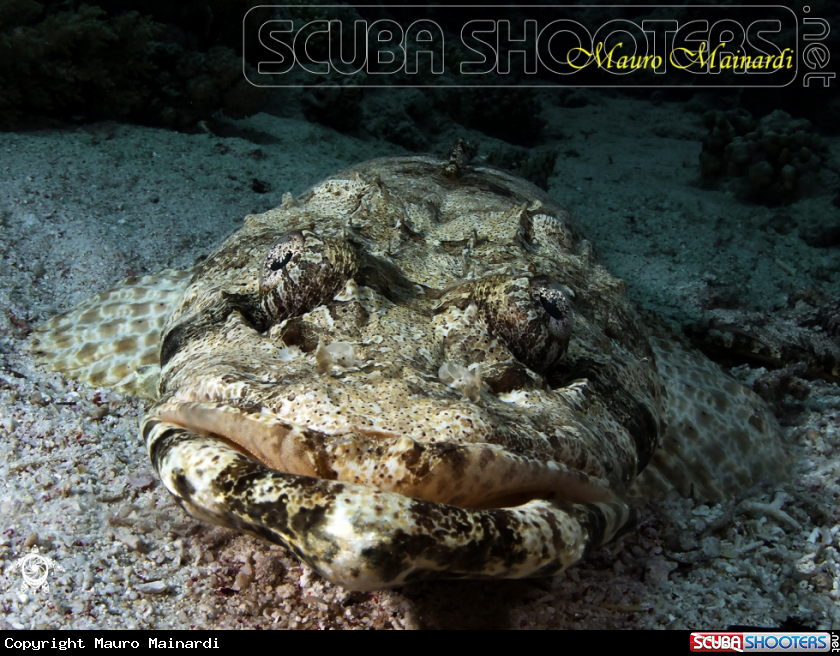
(774, 160)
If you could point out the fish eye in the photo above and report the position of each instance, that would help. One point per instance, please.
(276, 266)
(301, 271)
(287, 249)
(549, 295)
(552, 307)
(531, 316)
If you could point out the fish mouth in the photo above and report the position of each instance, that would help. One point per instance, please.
(475, 476)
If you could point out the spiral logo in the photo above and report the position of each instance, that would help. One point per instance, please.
(35, 568)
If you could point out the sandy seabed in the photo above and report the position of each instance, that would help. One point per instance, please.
(82, 208)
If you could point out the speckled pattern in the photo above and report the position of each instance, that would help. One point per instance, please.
(404, 375)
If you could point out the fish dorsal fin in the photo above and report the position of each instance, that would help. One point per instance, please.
(113, 339)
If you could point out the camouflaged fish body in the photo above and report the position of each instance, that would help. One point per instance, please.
(405, 375)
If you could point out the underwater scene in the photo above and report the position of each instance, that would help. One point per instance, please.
(398, 317)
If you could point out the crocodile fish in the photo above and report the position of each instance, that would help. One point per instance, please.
(418, 369)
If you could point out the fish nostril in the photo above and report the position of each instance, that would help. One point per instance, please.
(302, 334)
(508, 378)
(467, 381)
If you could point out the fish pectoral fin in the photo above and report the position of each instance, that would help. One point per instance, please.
(720, 438)
(113, 339)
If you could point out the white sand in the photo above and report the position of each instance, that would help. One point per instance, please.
(83, 208)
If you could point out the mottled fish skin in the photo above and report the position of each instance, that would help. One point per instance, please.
(413, 270)
(406, 374)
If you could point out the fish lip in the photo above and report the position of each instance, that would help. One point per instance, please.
(477, 475)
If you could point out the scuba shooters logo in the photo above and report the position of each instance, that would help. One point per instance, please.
(785, 642)
(440, 46)
(717, 642)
